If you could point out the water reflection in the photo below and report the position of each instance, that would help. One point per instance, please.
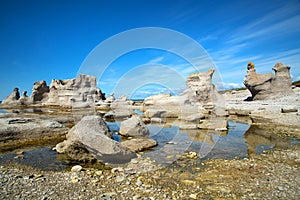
(241, 141)
(259, 138)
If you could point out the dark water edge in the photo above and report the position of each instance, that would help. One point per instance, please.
(241, 141)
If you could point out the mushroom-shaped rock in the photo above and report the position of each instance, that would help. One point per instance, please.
(133, 127)
(268, 86)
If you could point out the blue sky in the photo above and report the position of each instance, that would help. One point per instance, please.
(45, 40)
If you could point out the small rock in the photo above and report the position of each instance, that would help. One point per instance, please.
(99, 173)
(20, 153)
(193, 196)
(117, 169)
(289, 109)
(76, 168)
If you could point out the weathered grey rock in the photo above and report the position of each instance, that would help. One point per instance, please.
(28, 129)
(282, 84)
(268, 86)
(200, 87)
(192, 117)
(138, 144)
(218, 124)
(133, 127)
(199, 91)
(74, 91)
(121, 108)
(150, 113)
(289, 109)
(91, 139)
(40, 91)
(24, 98)
(80, 92)
(111, 98)
(76, 168)
(13, 98)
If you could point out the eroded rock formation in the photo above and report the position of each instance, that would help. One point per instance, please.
(13, 98)
(199, 92)
(40, 91)
(78, 92)
(75, 91)
(268, 86)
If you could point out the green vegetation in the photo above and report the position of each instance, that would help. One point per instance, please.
(234, 89)
(296, 83)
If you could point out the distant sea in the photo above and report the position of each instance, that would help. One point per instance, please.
(137, 100)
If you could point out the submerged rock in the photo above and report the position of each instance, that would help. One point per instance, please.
(90, 139)
(138, 145)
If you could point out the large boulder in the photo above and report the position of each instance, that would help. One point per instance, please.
(90, 139)
(133, 127)
(268, 86)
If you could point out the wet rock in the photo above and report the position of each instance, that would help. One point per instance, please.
(214, 124)
(26, 130)
(192, 117)
(133, 127)
(138, 145)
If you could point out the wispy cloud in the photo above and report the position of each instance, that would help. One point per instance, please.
(281, 21)
(156, 60)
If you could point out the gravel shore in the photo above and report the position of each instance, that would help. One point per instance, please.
(272, 175)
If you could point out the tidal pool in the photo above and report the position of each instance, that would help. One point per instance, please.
(240, 141)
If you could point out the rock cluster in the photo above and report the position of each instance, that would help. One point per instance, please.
(78, 92)
(197, 102)
(268, 86)
(90, 140)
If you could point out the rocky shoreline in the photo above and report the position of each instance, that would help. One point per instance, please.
(272, 175)
(73, 112)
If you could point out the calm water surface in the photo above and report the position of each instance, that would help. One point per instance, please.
(241, 141)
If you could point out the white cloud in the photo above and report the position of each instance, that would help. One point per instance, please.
(156, 60)
(226, 86)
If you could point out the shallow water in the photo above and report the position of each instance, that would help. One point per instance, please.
(2, 111)
(241, 141)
